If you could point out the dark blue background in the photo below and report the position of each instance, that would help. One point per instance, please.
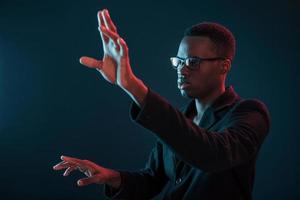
(51, 105)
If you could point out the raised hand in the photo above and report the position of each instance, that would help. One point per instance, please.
(114, 66)
(95, 173)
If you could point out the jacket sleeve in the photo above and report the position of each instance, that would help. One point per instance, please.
(143, 184)
(207, 150)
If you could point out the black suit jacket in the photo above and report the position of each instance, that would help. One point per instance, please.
(213, 160)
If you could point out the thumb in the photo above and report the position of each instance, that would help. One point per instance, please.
(99, 178)
(91, 62)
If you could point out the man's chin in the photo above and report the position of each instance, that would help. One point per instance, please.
(186, 94)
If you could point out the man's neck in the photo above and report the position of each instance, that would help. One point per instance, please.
(203, 103)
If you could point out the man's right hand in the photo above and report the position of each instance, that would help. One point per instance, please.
(115, 65)
(95, 173)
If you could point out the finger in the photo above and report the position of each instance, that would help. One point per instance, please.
(109, 22)
(62, 162)
(112, 35)
(91, 62)
(69, 158)
(103, 19)
(82, 164)
(101, 22)
(82, 169)
(89, 180)
(69, 170)
(62, 165)
(123, 47)
(73, 160)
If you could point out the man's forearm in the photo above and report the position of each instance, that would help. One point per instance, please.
(137, 90)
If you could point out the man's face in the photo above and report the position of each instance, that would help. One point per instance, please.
(202, 81)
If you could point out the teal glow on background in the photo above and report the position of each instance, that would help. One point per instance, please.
(51, 105)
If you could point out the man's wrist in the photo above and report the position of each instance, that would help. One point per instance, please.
(115, 180)
(137, 90)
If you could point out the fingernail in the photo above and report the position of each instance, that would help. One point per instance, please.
(79, 182)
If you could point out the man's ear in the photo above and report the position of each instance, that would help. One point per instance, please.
(226, 66)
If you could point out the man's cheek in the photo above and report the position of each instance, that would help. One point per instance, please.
(200, 80)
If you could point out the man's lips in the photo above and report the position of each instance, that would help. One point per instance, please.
(183, 84)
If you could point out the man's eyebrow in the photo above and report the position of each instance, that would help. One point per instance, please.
(179, 57)
(189, 56)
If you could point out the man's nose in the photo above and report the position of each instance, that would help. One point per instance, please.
(183, 70)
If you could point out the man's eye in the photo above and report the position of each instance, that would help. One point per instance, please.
(192, 61)
(180, 62)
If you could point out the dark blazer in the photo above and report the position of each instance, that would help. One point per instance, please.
(210, 161)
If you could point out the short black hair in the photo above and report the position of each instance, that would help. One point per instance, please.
(222, 37)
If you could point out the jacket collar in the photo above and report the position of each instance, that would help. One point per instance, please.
(225, 100)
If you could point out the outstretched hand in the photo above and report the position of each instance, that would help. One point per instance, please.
(114, 66)
(95, 173)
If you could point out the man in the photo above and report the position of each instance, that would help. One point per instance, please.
(206, 151)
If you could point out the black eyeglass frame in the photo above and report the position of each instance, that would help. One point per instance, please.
(196, 66)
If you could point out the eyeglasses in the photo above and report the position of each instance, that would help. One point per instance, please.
(191, 62)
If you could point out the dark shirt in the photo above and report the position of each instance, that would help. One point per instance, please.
(213, 160)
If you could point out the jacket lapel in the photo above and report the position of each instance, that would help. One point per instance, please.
(212, 113)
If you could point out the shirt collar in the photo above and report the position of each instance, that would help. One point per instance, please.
(226, 99)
